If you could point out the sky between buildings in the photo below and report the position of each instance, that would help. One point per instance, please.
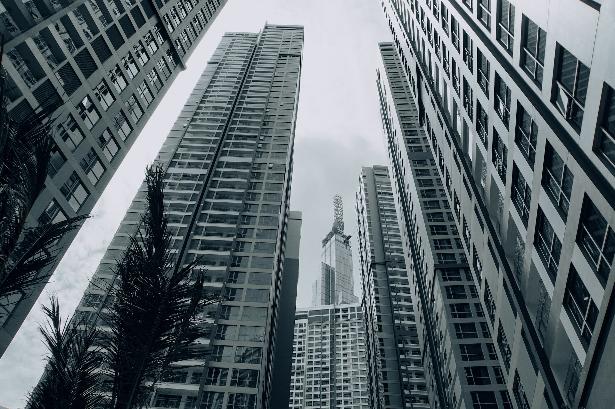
(338, 131)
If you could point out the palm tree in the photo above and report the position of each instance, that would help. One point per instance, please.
(71, 378)
(153, 319)
(24, 157)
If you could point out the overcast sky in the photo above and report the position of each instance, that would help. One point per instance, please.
(338, 131)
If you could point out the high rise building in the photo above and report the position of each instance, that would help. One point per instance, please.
(462, 369)
(100, 67)
(517, 100)
(228, 162)
(336, 283)
(395, 363)
(329, 368)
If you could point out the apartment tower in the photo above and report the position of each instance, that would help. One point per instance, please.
(100, 68)
(462, 369)
(517, 100)
(394, 360)
(336, 283)
(228, 162)
(329, 367)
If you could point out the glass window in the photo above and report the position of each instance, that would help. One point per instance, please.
(484, 13)
(468, 51)
(482, 71)
(56, 160)
(241, 401)
(245, 378)
(150, 43)
(141, 54)
(92, 167)
(502, 99)
(596, 239)
(215, 376)
(533, 40)
(570, 87)
(248, 355)
(557, 180)
(133, 108)
(471, 352)
(88, 112)
(484, 400)
(455, 32)
(482, 127)
(70, 133)
(521, 194)
(108, 144)
(145, 93)
(465, 330)
(130, 65)
(477, 375)
(505, 30)
(499, 155)
(167, 401)
(154, 80)
(74, 192)
(117, 79)
(121, 125)
(27, 73)
(468, 98)
(580, 307)
(52, 214)
(605, 139)
(104, 96)
(547, 244)
(526, 135)
(461, 310)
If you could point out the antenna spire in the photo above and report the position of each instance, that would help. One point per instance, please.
(338, 214)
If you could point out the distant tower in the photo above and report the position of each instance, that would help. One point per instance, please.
(336, 284)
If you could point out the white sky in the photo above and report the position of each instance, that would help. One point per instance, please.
(338, 131)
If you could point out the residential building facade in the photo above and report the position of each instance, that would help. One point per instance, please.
(228, 162)
(100, 68)
(329, 368)
(516, 98)
(336, 281)
(462, 369)
(394, 359)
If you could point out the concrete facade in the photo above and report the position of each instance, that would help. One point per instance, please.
(462, 369)
(516, 98)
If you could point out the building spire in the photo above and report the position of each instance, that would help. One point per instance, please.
(338, 214)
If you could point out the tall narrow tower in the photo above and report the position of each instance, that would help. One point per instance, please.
(227, 192)
(336, 284)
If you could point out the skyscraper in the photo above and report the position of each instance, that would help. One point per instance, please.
(336, 283)
(228, 162)
(395, 364)
(329, 368)
(517, 100)
(461, 364)
(101, 67)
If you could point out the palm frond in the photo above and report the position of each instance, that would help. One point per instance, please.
(38, 249)
(24, 158)
(71, 377)
(153, 318)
